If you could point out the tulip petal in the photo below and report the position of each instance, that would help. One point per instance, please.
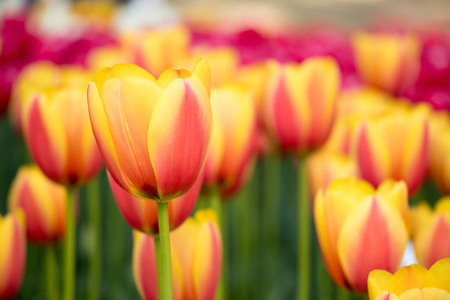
(377, 282)
(178, 136)
(407, 278)
(441, 270)
(120, 72)
(385, 296)
(432, 293)
(203, 73)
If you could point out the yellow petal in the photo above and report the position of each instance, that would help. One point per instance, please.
(377, 282)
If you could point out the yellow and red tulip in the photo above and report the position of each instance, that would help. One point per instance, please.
(153, 134)
(142, 214)
(430, 231)
(361, 229)
(439, 164)
(196, 259)
(233, 150)
(301, 102)
(12, 253)
(60, 138)
(388, 62)
(412, 282)
(43, 203)
(393, 146)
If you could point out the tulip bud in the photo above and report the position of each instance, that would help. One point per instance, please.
(59, 136)
(142, 214)
(393, 146)
(153, 135)
(300, 104)
(387, 62)
(196, 259)
(43, 203)
(430, 231)
(439, 164)
(360, 229)
(231, 156)
(411, 282)
(12, 253)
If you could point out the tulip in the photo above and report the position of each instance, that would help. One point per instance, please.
(142, 214)
(412, 282)
(361, 229)
(233, 149)
(394, 146)
(387, 62)
(439, 166)
(300, 104)
(326, 167)
(12, 253)
(153, 135)
(430, 231)
(197, 252)
(43, 203)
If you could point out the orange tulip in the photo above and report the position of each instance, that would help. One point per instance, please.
(59, 136)
(430, 232)
(300, 104)
(42, 201)
(233, 149)
(196, 259)
(12, 253)
(360, 229)
(439, 164)
(412, 282)
(394, 146)
(142, 214)
(153, 135)
(387, 62)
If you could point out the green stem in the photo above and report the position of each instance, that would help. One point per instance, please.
(165, 262)
(52, 278)
(324, 283)
(159, 267)
(304, 270)
(342, 294)
(69, 247)
(95, 260)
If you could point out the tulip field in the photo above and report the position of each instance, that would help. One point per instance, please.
(149, 152)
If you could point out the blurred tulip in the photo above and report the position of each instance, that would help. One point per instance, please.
(439, 164)
(232, 153)
(42, 201)
(142, 214)
(388, 62)
(412, 282)
(430, 231)
(301, 102)
(107, 56)
(153, 135)
(197, 256)
(12, 253)
(394, 145)
(360, 229)
(59, 136)
(326, 167)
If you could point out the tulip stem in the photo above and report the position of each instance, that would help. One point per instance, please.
(52, 278)
(69, 247)
(164, 263)
(93, 191)
(304, 271)
(342, 294)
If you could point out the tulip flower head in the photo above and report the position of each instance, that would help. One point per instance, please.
(43, 203)
(301, 101)
(196, 259)
(12, 253)
(411, 282)
(430, 231)
(142, 214)
(153, 134)
(361, 229)
(439, 163)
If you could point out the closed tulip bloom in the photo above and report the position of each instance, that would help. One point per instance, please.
(43, 202)
(196, 259)
(233, 151)
(361, 229)
(300, 104)
(412, 282)
(153, 135)
(59, 136)
(430, 231)
(12, 253)
(142, 214)
(393, 146)
(387, 62)
(439, 164)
